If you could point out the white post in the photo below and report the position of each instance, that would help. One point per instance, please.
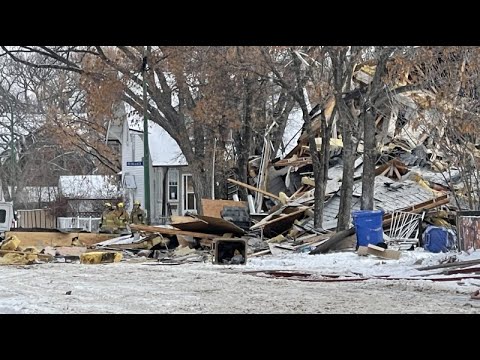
(251, 205)
(78, 222)
(90, 224)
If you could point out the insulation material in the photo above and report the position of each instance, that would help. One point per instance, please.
(11, 243)
(98, 257)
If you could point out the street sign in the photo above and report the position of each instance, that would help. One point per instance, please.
(134, 163)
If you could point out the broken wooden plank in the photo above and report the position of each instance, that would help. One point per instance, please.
(179, 219)
(42, 239)
(219, 225)
(282, 216)
(454, 264)
(197, 225)
(260, 253)
(334, 239)
(166, 231)
(378, 251)
(214, 208)
(253, 188)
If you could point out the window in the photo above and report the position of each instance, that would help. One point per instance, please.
(173, 185)
(189, 202)
(3, 216)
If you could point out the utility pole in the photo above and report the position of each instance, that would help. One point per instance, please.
(146, 148)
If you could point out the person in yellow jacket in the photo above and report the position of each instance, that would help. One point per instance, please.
(138, 215)
(108, 219)
(121, 217)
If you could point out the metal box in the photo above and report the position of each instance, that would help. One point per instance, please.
(229, 251)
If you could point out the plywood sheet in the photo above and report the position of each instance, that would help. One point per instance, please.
(213, 208)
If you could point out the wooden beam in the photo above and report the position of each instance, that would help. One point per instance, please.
(253, 188)
(336, 238)
(268, 222)
(41, 239)
(454, 264)
(160, 230)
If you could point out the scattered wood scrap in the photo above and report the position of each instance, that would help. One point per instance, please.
(253, 188)
(378, 251)
(166, 231)
(334, 239)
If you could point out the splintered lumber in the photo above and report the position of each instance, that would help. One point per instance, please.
(188, 223)
(260, 253)
(418, 208)
(269, 219)
(214, 208)
(178, 219)
(221, 225)
(253, 188)
(161, 230)
(297, 162)
(42, 239)
(281, 224)
(454, 264)
(336, 238)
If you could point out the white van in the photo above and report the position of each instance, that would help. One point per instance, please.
(6, 216)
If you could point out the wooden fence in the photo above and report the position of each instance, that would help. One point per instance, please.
(38, 218)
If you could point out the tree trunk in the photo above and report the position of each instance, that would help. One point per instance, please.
(321, 179)
(349, 150)
(201, 186)
(369, 158)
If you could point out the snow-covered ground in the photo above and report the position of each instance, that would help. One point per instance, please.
(150, 287)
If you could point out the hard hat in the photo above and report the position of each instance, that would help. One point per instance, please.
(120, 205)
(107, 204)
(137, 202)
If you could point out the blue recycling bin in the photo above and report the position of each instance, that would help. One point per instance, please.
(368, 226)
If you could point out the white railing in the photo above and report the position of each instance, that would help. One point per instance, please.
(85, 223)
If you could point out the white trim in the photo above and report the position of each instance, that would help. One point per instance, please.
(184, 194)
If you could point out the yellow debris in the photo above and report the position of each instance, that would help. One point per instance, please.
(99, 257)
(277, 239)
(28, 249)
(11, 243)
(283, 197)
(17, 259)
(308, 181)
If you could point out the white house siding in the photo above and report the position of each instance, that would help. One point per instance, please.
(156, 193)
(132, 151)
